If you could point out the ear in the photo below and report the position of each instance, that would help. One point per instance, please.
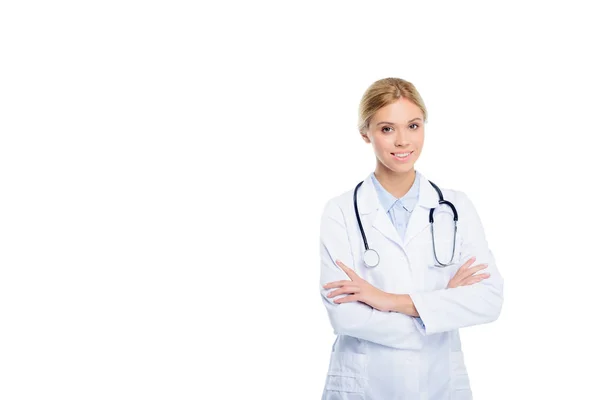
(365, 138)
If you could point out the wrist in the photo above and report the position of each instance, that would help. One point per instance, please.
(403, 304)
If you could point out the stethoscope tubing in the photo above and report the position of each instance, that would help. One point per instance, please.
(371, 256)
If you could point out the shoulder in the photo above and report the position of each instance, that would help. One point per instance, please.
(458, 198)
(339, 203)
(449, 194)
(467, 213)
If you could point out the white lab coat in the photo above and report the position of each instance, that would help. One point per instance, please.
(388, 355)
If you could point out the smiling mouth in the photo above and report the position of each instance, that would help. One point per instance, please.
(407, 154)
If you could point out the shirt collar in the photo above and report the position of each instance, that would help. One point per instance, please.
(387, 200)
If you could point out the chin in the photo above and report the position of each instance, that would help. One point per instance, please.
(404, 169)
(400, 169)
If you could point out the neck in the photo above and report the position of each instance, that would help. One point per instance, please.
(397, 183)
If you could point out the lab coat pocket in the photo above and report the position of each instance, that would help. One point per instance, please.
(460, 385)
(346, 378)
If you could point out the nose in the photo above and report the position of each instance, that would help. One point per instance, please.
(401, 138)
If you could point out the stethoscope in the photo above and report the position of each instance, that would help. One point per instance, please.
(371, 257)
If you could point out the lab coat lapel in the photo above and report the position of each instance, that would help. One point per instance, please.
(419, 219)
(383, 224)
(373, 214)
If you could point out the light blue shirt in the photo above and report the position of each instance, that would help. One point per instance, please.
(399, 210)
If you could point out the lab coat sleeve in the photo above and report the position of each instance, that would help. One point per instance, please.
(355, 318)
(463, 306)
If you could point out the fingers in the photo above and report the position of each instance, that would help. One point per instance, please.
(347, 270)
(470, 271)
(466, 270)
(474, 279)
(464, 267)
(335, 284)
(351, 291)
(465, 275)
(468, 281)
(344, 290)
(347, 299)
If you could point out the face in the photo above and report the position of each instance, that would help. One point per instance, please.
(397, 129)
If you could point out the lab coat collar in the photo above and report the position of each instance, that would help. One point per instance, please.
(388, 200)
(368, 203)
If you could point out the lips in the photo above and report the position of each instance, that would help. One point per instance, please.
(402, 158)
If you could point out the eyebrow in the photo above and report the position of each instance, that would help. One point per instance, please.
(391, 123)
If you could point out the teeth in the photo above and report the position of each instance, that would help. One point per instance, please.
(401, 154)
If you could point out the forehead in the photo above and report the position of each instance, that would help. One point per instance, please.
(400, 111)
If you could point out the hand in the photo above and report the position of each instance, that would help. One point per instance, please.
(358, 289)
(464, 276)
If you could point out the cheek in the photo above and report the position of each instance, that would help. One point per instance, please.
(377, 145)
(383, 143)
(420, 139)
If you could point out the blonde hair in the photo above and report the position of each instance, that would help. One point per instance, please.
(383, 92)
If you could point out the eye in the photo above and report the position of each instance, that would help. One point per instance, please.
(417, 126)
(384, 129)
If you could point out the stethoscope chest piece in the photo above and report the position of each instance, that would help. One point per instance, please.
(371, 258)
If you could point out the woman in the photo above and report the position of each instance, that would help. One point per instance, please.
(397, 322)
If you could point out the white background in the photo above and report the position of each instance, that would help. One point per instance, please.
(164, 166)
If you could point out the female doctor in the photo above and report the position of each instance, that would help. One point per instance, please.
(395, 302)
